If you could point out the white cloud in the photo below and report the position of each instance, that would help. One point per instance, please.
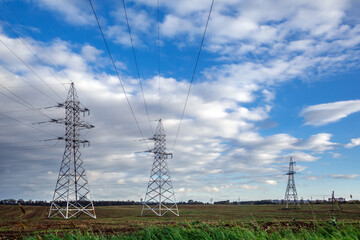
(344, 176)
(90, 53)
(354, 142)
(304, 157)
(121, 181)
(312, 178)
(335, 154)
(322, 114)
(249, 187)
(94, 175)
(212, 189)
(74, 12)
(174, 25)
(271, 182)
(319, 143)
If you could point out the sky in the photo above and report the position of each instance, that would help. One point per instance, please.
(275, 79)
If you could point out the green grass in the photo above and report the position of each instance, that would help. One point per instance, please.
(205, 232)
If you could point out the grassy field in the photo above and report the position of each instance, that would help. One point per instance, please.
(233, 220)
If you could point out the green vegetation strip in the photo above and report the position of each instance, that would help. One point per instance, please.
(199, 231)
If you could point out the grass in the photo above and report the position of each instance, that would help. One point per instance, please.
(195, 222)
(205, 232)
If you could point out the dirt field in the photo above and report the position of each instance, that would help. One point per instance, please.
(125, 219)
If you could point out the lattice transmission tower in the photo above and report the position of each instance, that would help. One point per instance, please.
(72, 193)
(291, 193)
(160, 196)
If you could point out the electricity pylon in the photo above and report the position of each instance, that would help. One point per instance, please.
(72, 193)
(160, 196)
(291, 189)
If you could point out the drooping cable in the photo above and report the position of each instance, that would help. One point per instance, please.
(27, 82)
(117, 73)
(26, 124)
(28, 47)
(137, 65)
(44, 49)
(193, 75)
(24, 102)
(30, 68)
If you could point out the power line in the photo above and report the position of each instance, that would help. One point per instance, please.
(56, 138)
(193, 75)
(36, 185)
(15, 134)
(26, 124)
(10, 143)
(87, 160)
(136, 63)
(32, 116)
(39, 85)
(22, 110)
(47, 52)
(44, 49)
(117, 73)
(29, 105)
(47, 95)
(27, 46)
(32, 70)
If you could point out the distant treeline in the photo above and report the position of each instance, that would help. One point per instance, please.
(190, 202)
(23, 202)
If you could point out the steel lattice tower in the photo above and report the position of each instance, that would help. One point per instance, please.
(160, 196)
(291, 193)
(72, 193)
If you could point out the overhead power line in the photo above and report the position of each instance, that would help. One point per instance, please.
(30, 68)
(193, 75)
(27, 104)
(117, 72)
(30, 84)
(137, 65)
(26, 124)
(44, 49)
(52, 61)
(28, 47)
(90, 158)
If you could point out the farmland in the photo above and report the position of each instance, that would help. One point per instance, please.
(125, 220)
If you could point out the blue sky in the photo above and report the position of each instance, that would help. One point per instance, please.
(275, 79)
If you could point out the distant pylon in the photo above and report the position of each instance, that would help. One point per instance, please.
(291, 193)
(72, 193)
(160, 196)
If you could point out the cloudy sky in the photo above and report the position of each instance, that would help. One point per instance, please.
(275, 79)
